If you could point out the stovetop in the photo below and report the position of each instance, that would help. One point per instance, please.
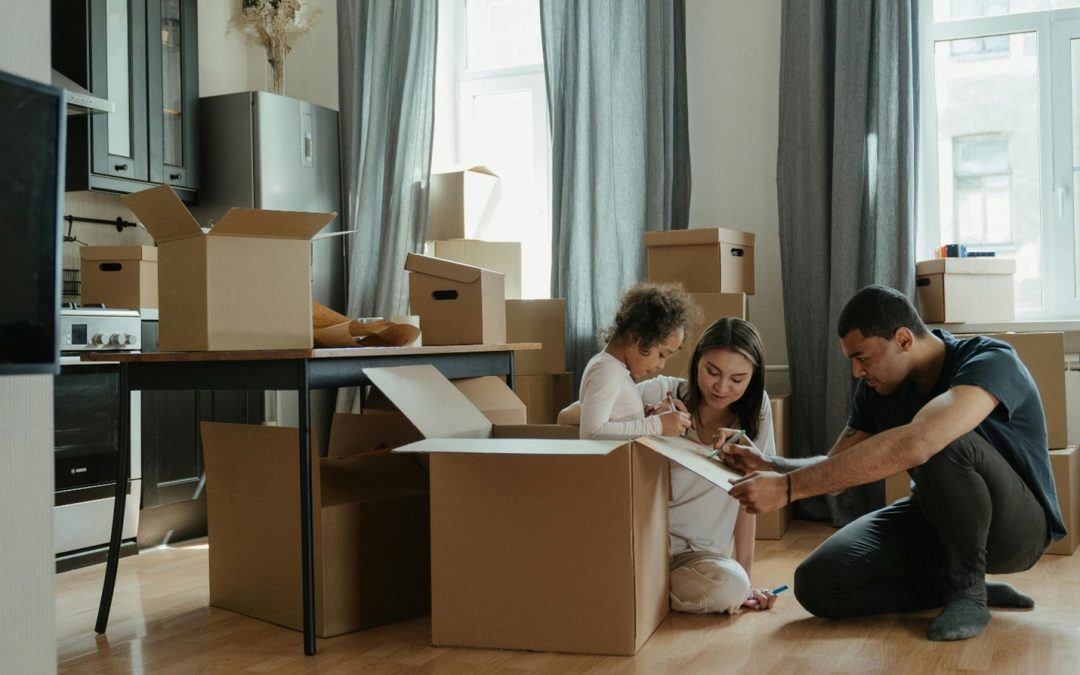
(84, 329)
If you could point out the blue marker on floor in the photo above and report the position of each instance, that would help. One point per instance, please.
(779, 589)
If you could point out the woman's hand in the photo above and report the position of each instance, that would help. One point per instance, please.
(760, 599)
(743, 455)
(675, 423)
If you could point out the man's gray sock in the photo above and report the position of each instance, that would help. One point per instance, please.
(962, 618)
(1000, 594)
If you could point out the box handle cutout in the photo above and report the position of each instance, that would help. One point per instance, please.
(922, 281)
(736, 252)
(110, 267)
(444, 295)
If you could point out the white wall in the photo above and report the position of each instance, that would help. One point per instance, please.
(27, 606)
(733, 78)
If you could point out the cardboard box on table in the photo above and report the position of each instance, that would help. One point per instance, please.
(705, 260)
(713, 306)
(458, 304)
(542, 321)
(498, 256)
(540, 541)
(461, 203)
(244, 285)
(120, 277)
(958, 290)
(774, 525)
(1066, 466)
(544, 395)
(370, 530)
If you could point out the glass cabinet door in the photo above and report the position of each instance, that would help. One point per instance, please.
(173, 73)
(118, 72)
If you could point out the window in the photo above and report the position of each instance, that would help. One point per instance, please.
(1000, 144)
(491, 109)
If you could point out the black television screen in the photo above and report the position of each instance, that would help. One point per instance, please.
(32, 125)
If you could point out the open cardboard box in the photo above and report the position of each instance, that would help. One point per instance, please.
(539, 540)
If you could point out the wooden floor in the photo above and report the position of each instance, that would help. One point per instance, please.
(161, 624)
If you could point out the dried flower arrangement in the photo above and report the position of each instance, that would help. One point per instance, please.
(275, 24)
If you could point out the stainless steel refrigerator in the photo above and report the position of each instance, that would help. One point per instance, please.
(262, 150)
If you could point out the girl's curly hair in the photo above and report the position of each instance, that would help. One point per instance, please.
(650, 313)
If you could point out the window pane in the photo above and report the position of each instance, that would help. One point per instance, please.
(988, 155)
(951, 10)
(504, 132)
(502, 33)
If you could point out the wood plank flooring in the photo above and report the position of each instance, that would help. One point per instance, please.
(161, 623)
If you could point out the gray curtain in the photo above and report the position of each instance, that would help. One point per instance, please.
(386, 96)
(846, 193)
(616, 81)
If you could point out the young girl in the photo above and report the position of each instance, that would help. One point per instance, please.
(649, 328)
(711, 538)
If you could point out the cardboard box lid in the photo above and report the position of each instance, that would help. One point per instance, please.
(444, 269)
(513, 446)
(965, 266)
(163, 214)
(476, 168)
(276, 224)
(430, 401)
(149, 253)
(704, 235)
(692, 456)
(492, 397)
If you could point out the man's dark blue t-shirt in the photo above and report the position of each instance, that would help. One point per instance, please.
(1016, 427)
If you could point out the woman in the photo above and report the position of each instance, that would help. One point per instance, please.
(711, 538)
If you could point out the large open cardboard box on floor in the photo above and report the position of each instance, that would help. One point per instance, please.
(543, 544)
(370, 529)
(119, 277)
(705, 260)
(958, 290)
(245, 285)
(773, 525)
(458, 304)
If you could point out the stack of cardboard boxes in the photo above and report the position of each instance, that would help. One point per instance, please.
(541, 380)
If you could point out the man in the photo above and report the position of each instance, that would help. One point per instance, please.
(964, 418)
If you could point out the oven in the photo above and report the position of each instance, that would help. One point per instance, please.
(87, 427)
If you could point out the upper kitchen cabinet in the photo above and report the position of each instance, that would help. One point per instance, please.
(143, 56)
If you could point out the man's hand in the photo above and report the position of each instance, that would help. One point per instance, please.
(761, 491)
(742, 456)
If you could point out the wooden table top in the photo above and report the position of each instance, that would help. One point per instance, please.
(288, 354)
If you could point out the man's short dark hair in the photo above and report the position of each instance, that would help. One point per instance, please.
(878, 311)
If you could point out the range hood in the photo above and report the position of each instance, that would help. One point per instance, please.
(80, 101)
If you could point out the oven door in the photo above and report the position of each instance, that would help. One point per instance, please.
(86, 403)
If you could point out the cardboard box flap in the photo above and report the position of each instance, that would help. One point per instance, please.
(162, 213)
(513, 446)
(149, 253)
(965, 266)
(279, 224)
(492, 397)
(703, 235)
(693, 456)
(430, 401)
(444, 269)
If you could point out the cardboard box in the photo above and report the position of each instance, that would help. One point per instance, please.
(498, 256)
(1066, 466)
(462, 203)
(245, 285)
(713, 306)
(540, 544)
(542, 321)
(958, 290)
(707, 260)
(774, 525)
(1044, 356)
(544, 395)
(897, 486)
(370, 431)
(370, 527)
(492, 397)
(457, 304)
(120, 277)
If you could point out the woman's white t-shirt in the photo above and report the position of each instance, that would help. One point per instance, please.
(701, 516)
(610, 404)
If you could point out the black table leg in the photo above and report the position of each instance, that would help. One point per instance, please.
(307, 543)
(123, 471)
